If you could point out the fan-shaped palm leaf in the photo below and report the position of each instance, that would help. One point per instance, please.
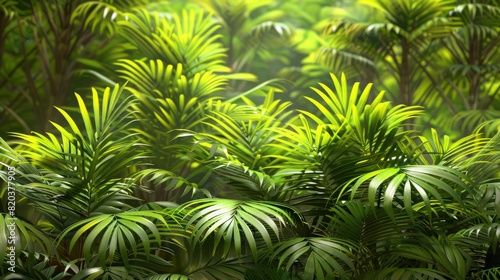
(106, 236)
(447, 152)
(471, 119)
(487, 274)
(249, 141)
(350, 137)
(262, 273)
(404, 273)
(227, 219)
(17, 235)
(447, 258)
(189, 39)
(406, 182)
(483, 167)
(98, 15)
(81, 170)
(323, 258)
(42, 268)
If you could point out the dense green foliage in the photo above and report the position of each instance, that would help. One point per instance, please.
(223, 139)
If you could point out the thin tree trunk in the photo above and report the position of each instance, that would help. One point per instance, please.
(474, 76)
(3, 24)
(405, 94)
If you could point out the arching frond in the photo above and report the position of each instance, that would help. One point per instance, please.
(18, 235)
(405, 183)
(487, 274)
(189, 39)
(472, 119)
(477, 16)
(404, 273)
(80, 170)
(457, 154)
(268, 34)
(350, 137)
(442, 255)
(242, 224)
(322, 258)
(9, 7)
(263, 272)
(98, 16)
(124, 235)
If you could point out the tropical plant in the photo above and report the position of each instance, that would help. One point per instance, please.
(473, 46)
(173, 173)
(46, 46)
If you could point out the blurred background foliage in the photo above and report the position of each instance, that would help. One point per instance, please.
(442, 55)
(243, 139)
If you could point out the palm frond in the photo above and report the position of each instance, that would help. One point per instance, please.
(160, 177)
(268, 34)
(338, 59)
(376, 233)
(404, 273)
(249, 141)
(189, 39)
(42, 267)
(18, 235)
(124, 235)
(113, 272)
(322, 258)
(9, 7)
(227, 219)
(444, 256)
(80, 170)
(169, 276)
(476, 16)
(483, 166)
(404, 183)
(263, 272)
(232, 14)
(228, 268)
(350, 137)
(98, 16)
(451, 153)
(471, 119)
(487, 274)
(401, 19)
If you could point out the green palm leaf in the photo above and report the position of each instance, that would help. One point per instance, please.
(350, 137)
(447, 258)
(483, 166)
(237, 223)
(404, 183)
(249, 141)
(189, 39)
(113, 272)
(471, 119)
(488, 274)
(377, 235)
(79, 172)
(229, 268)
(447, 152)
(375, 125)
(9, 7)
(268, 34)
(97, 16)
(404, 273)
(262, 273)
(18, 235)
(170, 276)
(42, 267)
(323, 258)
(106, 236)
